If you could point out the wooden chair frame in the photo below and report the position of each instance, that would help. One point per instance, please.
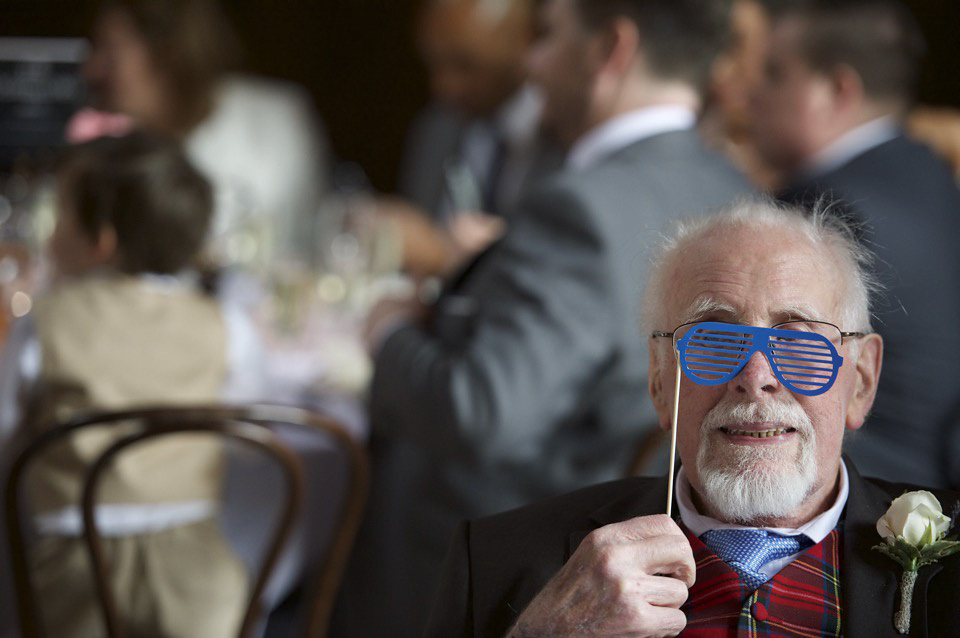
(249, 424)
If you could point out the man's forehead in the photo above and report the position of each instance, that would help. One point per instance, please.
(748, 274)
(714, 308)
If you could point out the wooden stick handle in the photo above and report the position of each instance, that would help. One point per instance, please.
(673, 440)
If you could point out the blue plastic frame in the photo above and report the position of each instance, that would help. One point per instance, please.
(773, 343)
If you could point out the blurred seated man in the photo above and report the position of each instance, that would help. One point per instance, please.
(123, 326)
(726, 121)
(839, 77)
(476, 148)
(773, 527)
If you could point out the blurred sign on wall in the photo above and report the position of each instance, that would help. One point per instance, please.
(40, 88)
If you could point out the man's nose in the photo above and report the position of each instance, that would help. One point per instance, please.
(756, 378)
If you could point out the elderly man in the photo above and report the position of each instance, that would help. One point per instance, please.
(828, 114)
(760, 450)
(527, 378)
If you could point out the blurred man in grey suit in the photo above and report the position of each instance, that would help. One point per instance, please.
(527, 377)
(839, 77)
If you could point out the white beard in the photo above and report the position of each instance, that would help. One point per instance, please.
(744, 483)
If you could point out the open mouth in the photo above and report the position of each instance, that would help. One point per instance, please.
(757, 434)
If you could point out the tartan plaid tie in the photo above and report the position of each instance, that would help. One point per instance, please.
(748, 550)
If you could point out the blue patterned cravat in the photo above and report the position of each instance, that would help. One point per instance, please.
(748, 550)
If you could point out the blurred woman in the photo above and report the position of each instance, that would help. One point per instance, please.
(165, 64)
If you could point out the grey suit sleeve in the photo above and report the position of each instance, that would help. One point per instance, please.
(542, 330)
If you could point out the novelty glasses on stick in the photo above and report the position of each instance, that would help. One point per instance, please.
(802, 355)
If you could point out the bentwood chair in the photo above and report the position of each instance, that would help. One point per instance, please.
(254, 427)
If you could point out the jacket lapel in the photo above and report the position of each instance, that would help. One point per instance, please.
(870, 580)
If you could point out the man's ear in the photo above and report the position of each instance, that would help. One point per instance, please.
(846, 90)
(655, 375)
(620, 42)
(868, 364)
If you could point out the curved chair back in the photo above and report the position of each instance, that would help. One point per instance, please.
(252, 426)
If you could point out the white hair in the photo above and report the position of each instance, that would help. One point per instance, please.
(823, 226)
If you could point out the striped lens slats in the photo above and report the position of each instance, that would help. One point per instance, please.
(805, 364)
(801, 354)
(715, 356)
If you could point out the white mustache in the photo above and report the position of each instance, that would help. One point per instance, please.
(727, 413)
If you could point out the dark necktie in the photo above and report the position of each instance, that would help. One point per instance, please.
(746, 551)
(491, 180)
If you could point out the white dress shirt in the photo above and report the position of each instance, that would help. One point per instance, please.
(625, 129)
(816, 529)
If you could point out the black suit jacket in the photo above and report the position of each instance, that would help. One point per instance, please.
(496, 565)
(909, 205)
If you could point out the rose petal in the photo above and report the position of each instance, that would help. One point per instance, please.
(883, 528)
(915, 524)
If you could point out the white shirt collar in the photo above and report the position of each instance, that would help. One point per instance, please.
(623, 130)
(816, 529)
(853, 143)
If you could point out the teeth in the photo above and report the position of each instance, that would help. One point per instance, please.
(762, 434)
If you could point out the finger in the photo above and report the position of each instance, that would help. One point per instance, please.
(669, 556)
(664, 591)
(662, 621)
(630, 561)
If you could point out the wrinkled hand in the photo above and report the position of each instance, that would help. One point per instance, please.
(625, 579)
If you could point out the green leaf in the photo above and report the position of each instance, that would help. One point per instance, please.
(889, 551)
(901, 557)
(908, 549)
(928, 536)
(941, 549)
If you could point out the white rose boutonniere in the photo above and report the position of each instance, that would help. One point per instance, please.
(915, 530)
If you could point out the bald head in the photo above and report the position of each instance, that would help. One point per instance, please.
(474, 51)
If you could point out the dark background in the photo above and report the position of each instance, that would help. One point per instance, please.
(356, 58)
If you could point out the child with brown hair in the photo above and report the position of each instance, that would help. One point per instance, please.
(123, 326)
